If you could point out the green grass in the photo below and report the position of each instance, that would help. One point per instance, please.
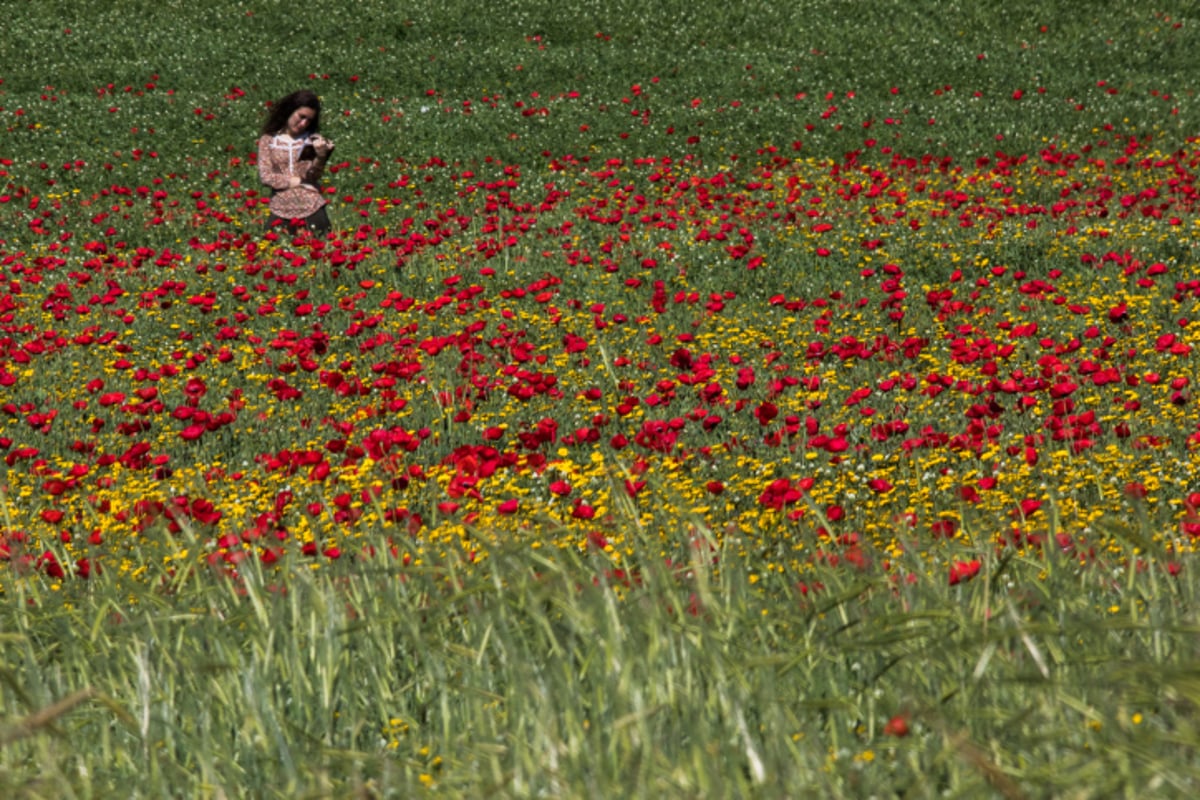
(536, 676)
(764, 71)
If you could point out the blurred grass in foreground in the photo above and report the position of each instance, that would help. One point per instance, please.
(555, 676)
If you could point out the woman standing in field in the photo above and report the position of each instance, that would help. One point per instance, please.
(291, 160)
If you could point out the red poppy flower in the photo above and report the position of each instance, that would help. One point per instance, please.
(961, 571)
(192, 432)
(897, 726)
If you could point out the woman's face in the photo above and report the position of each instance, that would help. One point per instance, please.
(299, 121)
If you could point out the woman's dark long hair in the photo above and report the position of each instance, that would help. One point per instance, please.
(282, 109)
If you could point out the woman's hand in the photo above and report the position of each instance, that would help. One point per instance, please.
(322, 145)
(294, 181)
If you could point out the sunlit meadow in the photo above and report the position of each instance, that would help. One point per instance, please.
(688, 402)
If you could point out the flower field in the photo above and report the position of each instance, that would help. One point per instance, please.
(736, 418)
(564, 356)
